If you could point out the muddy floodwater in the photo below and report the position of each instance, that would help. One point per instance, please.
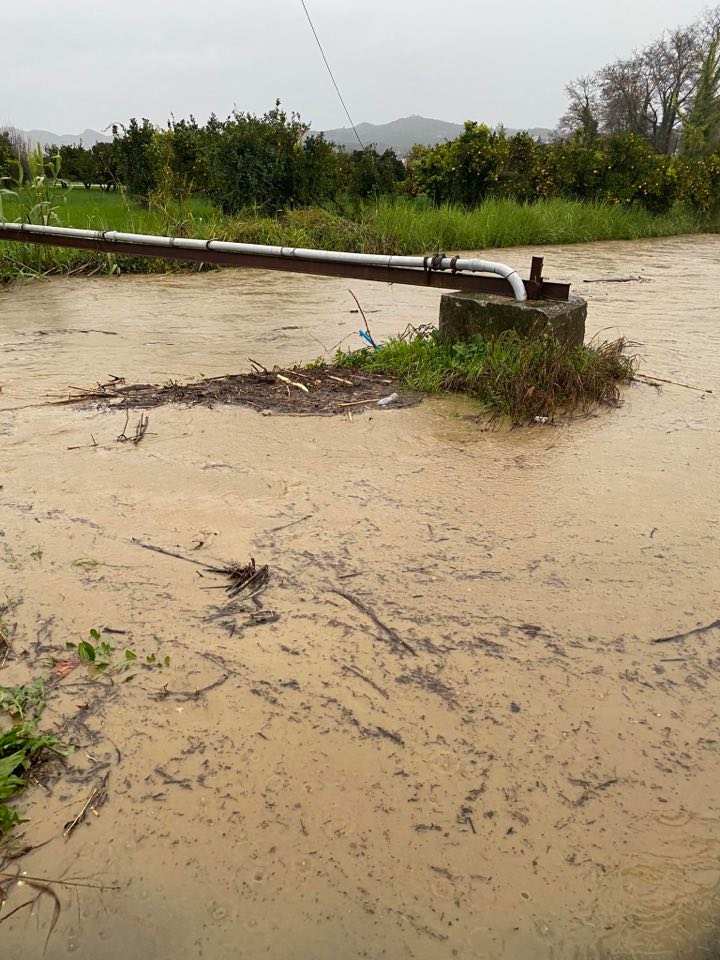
(449, 734)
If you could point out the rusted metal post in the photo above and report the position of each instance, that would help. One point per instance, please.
(534, 286)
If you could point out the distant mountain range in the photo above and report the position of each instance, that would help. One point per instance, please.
(401, 135)
(87, 139)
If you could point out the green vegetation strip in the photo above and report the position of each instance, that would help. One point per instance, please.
(394, 226)
(22, 745)
(513, 377)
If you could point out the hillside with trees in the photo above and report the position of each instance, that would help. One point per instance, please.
(642, 131)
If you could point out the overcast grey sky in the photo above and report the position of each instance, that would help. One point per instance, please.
(86, 63)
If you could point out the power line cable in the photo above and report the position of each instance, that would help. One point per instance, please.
(337, 89)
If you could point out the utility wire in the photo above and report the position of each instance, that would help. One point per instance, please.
(337, 89)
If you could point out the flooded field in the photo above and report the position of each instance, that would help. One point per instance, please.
(457, 737)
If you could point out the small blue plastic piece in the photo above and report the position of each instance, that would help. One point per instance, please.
(369, 339)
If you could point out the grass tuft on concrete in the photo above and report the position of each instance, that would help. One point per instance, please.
(512, 377)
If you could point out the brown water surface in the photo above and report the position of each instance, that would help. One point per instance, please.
(538, 781)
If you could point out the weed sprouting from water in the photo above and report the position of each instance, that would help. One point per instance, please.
(22, 745)
(512, 376)
(103, 658)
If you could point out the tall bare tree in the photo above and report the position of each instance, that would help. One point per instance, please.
(583, 112)
(646, 94)
(671, 66)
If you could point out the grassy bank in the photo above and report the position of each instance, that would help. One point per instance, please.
(398, 226)
(505, 223)
(511, 376)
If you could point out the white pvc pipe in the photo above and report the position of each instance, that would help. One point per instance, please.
(256, 249)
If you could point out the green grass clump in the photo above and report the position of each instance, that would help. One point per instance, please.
(21, 745)
(416, 226)
(20, 748)
(515, 377)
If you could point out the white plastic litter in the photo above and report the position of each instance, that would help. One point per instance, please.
(386, 401)
(541, 419)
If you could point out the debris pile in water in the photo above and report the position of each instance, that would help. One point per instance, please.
(309, 391)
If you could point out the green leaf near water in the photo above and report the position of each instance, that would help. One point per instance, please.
(86, 651)
(8, 766)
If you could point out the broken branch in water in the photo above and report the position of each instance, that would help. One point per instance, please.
(675, 383)
(690, 633)
(356, 403)
(620, 280)
(63, 883)
(83, 446)
(591, 790)
(358, 673)
(169, 553)
(140, 429)
(184, 695)
(243, 577)
(292, 523)
(96, 799)
(389, 632)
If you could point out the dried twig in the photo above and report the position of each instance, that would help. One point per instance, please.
(620, 280)
(184, 695)
(590, 789)
(355, 403)
(84, 446)
(140, 429)
(243, 577)
(358, 673)
(676, 383)
(5, 647)
(292, 383)
(96, 799)
(365, 321)
(170, 553)
(690, 633)
(292, 523)
(390, 633)
(62, 883)
(43, 890)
